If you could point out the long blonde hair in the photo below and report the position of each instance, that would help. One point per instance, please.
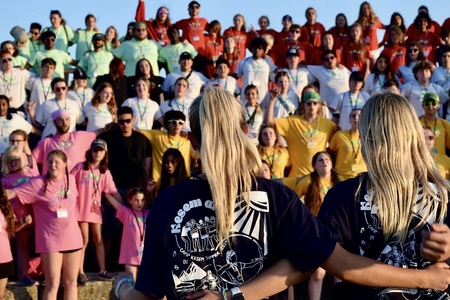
(6, 159)
(399, 164)
(230, 160)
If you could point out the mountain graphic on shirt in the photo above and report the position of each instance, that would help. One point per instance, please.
(193, 272)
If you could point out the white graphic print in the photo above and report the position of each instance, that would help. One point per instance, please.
(201, 262)
(399, 254)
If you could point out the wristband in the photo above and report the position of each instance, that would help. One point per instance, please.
(224, 294)
(119, 285)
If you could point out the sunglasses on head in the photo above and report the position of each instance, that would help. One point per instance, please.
(5, 60)
(309, 103)
(123, 121)
(294, 31)
(175, 122)
(429, 103)
(328, 58)
(413, 50)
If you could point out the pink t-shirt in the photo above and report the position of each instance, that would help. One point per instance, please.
(53, 233)
(74, 144)
(131, 235)
(14, 180)
(91, 185)
(5, 249)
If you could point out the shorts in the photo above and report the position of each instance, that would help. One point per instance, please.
(7, 269)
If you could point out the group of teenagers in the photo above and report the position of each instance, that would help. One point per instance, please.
(313, 115)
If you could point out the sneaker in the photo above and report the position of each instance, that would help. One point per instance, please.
(81, 280)
(27, 281)
(105, 275)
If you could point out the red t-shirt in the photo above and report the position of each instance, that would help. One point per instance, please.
(397, 56)
(353, 57)
(282, 36)
(193, 31)
(313, 34)
(241, 39)
(341, 37)
(434, 27)
(213, 50)
(428, 40)
(370, 31)
(316, 56)
(303, 48)
(445, 25)
(155, 31)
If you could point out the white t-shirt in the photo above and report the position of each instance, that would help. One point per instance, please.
(12, 85)
(8, 126)
(298, 79)
(407, 73)
(372, 85)
(82, 96)
(254, 125)
(144, 112)
(196, 82)
(40, 90)
(345, 103)
(332, 82)
(43, 115)
(230, 84)
(441, 76)
(414, 92)
(284, 106)
(97, 117)
(256, 72)
(182, 105)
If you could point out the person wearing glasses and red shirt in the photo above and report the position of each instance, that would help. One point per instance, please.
(194, 28)
(157, 28)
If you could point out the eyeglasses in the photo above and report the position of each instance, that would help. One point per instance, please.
(294, 31)
(413, 50)
(329, 58)
(429, 103)
(162, 11)
(170, 161)
(194, 7)
(12, 141)
(60, 89)
(5, 60)
(309, 103)
(175, 122)
(50, 40)
(123, 121)
(430, 137)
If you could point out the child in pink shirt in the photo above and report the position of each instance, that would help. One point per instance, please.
(133, 219)
(58, 237)
(8, 226)
(93, 178)
(15, 173)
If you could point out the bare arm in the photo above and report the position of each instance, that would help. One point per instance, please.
(10, 193)
(364, 271)
(114, 202)
(148, 166)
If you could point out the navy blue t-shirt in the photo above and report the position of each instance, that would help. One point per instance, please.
(182, 253)
(357, 227)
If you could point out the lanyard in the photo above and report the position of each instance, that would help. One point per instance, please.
(65, 104)
(95, 183)
(268, 158)
(294, 78)
(43, 89)
(313, 130)
(251, 118)
(356, 101)
(141, 115)
(88, 44)
(141, 231)
(434, 126)
(79, 96)
(355, 153)
(7, 83)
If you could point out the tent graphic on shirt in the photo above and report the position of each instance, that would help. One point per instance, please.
(207, 264)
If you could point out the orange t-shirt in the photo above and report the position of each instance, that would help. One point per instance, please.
(241, 39)
(313, 34)
(434, 27)
(429, 42)
(341, 37)
(397, 56)
(353, 57)
(370, 31)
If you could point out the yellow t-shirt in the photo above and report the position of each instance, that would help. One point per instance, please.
(160, 142)
(301, 188)
(441, 129)
(304, 139)
(278, 161)
(349, 161)
(443, 165)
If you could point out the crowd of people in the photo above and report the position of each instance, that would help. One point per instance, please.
(89, 158)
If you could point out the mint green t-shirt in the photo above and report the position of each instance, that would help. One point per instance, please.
(132, 51)
(83, 39)
(95, 64)
(170, 54)
(60, 57)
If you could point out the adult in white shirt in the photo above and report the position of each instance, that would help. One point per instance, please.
(42, 117)
(414, 91)
(10, 122)
(139, 47)
(287, 101)
(256, 70)
(348, 101)
(332, 80)
(144, 108)
(40, 87)
(12, 80)
(196, 80)
(180, 102)
(441, 75)
(80, 92)
(223, 80)
(102, 109)
(299, 77)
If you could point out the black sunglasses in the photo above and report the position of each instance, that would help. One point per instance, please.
(5, 60)
(123, 121)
